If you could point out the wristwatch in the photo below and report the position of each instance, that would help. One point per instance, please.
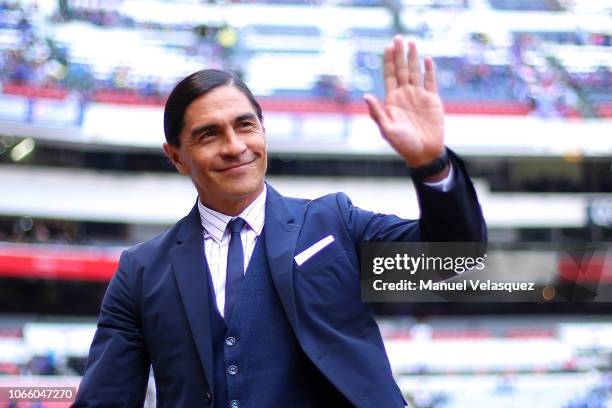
(430, 169)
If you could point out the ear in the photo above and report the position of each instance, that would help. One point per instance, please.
(174, 156)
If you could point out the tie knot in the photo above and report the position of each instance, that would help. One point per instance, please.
(236, 225)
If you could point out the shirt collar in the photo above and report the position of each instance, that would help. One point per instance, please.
(215, 223)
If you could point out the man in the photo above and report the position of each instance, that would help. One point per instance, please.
(253, 299)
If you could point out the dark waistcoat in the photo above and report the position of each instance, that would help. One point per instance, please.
(258, 361)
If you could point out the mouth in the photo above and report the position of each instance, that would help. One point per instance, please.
(237, 167)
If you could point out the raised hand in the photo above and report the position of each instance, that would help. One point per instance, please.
(412, 116)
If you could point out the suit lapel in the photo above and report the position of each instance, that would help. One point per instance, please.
(281, 231)
(190, 271)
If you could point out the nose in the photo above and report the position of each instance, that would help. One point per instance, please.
(233, 145)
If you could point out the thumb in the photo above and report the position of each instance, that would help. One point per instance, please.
(377, 113)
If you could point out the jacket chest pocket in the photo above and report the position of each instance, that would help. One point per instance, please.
(327, 286)
(312, 259)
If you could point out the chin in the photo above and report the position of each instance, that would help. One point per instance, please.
(245, 188)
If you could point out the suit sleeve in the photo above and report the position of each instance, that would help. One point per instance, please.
(452, 216)
(117, 368)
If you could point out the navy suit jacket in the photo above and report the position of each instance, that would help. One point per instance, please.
(155, 311)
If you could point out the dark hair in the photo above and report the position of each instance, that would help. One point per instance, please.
(189, 89)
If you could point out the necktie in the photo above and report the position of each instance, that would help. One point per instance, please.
(235, 267)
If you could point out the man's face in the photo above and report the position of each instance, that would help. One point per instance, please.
(223, 149)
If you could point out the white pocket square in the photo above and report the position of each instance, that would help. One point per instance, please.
(313, 249)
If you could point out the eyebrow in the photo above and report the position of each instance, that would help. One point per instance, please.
(203, 128)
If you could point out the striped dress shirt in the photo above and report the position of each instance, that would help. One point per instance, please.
(217, 237)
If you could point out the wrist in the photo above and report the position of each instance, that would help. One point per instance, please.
(439, 176)
(435, 170)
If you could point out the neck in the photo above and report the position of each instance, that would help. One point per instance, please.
(230, 207)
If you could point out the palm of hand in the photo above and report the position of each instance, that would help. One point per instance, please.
(412, 118)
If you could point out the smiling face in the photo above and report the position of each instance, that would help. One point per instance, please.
(223, 150)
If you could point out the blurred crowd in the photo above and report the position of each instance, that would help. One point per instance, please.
(34, 59)
(549, 87)
(28, 230)
(31, 58)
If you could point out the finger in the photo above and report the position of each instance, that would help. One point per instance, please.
(377, 113)
(389, 70)
(430, 75)
(413, 64)
(399, 56)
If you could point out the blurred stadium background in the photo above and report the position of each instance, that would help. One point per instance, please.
(528, 94)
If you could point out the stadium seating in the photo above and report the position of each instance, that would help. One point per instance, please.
(300, 61)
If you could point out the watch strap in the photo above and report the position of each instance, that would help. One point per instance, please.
(430, 169)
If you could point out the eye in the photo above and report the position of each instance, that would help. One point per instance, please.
(208, 133)
(245, 125)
